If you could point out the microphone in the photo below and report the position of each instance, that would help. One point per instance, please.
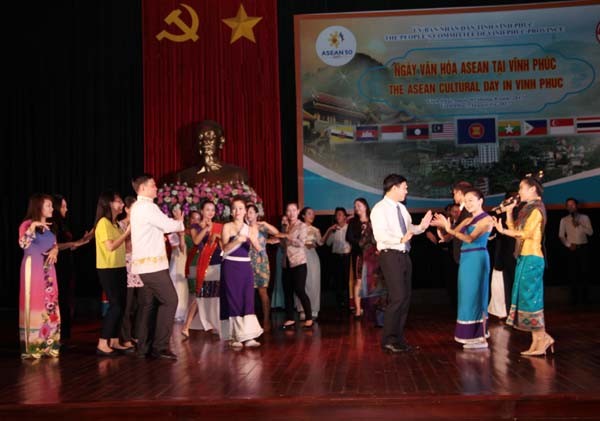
(506, 202)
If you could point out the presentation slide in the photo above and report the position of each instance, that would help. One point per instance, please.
(483, 94)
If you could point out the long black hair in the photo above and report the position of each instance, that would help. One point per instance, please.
(103, 209)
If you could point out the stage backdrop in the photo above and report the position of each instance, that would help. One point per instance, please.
(214, 60)
(439, 95)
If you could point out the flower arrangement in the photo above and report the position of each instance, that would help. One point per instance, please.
(190, 198)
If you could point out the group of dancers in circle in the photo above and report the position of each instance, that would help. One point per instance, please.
(223, 264)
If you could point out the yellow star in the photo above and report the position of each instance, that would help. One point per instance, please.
(242, 25)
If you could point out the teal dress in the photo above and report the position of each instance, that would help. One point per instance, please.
(473, 287)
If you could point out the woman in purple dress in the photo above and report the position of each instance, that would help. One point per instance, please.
(237, 279)
(39, 316)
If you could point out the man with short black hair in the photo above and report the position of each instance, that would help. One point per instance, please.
(393, 229)
(574, 230)
(149, 260)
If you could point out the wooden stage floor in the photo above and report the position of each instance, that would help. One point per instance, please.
(336, 371)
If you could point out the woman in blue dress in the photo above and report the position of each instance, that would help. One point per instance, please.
(473, 272)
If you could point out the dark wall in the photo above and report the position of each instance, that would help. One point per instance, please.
(73, 119)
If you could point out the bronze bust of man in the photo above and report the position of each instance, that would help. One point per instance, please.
(210, 139)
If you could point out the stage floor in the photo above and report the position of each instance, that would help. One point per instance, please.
(336, 371)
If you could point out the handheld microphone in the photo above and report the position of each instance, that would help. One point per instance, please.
(506, 202)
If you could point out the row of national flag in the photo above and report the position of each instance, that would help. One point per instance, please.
(465, 131)
(391, 132)
(553, 126)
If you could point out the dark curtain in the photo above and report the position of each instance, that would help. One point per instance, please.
(235, 85)
(73, 117)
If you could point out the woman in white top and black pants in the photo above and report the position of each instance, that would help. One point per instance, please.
(294, 269)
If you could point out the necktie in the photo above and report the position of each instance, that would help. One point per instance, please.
(402, 225)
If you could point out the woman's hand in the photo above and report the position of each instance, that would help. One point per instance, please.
(39, 224)
(498, 224)
(52, 256)
(441, 221)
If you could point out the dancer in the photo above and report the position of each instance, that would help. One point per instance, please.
(177, 273)
(39, 314)
(237, 287)
(294, 268)
(393, 230)
(260, 261)
(134, 283)
(356, 228)
(204, 262)
(110, 263)
(149, 260)
(473, 271)
(65, 265)
(527, 306)
(313, 264)
(341, 257)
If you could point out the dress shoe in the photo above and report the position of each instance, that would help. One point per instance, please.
(408, 348)
(392, 349)
(125, 351)
(164, 354)
(101, 353)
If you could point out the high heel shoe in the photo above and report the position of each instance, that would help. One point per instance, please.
(360, 315)
(288, 326)
(542, 349)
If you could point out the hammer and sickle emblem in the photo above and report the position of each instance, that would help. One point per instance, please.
(189, 32)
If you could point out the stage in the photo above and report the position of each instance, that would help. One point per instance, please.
(335, 371)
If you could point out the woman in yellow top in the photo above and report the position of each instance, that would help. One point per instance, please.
(110, 263)
(527, 307)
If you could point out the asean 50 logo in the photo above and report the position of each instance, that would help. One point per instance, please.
(336, 45)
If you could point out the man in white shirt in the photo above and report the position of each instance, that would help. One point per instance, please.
(574, 231)
(393, 229)
(335, 237)
(149, 260)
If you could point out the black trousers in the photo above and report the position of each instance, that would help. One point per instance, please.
(294, 282)
(66, 296)
(114, 284)
(158, 290)
(578, 266)
(340, 273)
(129, 316)
(508, 276)
(397, 272)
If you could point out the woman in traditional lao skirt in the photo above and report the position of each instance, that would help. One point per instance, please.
(237, 279)
(39, 316)
(204, 271)
(473, 271)
(527, 306)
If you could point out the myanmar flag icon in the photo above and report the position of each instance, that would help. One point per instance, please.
(509, 128)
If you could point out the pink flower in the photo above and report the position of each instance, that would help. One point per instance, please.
(45, 331)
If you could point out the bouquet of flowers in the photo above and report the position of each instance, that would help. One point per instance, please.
(190, 198)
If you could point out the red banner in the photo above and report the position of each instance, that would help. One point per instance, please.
(213, 60)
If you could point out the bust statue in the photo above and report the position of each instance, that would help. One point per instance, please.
(210, 139)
